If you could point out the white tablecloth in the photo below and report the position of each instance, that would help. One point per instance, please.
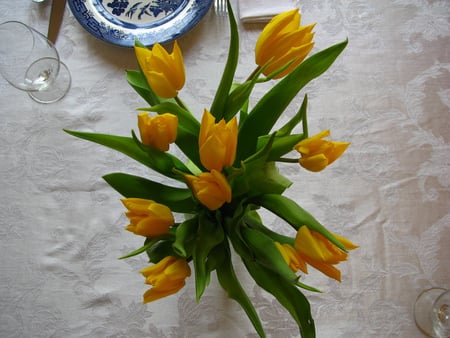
(62, 227)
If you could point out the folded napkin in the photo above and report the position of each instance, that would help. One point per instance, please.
(251, 11)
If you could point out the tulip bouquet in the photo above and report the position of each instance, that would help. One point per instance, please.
(230, 173)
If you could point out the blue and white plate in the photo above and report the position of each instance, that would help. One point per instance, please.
(120, 22)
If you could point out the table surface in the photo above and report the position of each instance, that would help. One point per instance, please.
(62, 227)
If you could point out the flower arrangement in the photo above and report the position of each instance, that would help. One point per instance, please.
(230, 173)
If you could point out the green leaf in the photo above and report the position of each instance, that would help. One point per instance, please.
(184, 237)
(159, 161)
(209, 235)
(264, 178)
(216, 257)
(218, 107)
(281, 144)
(162, 161)
(142, 249)
(125, 145)
(287, 294)
(239, 96)
(266, 253)
(258, 175)
(251, 171)
(229, 282)
(307, 287)
(253, 220)
(160, 250)
(193, 167)
(295, 215)
(177, 199)
(296, 119)
(266, 112)
(243, 113)
(138, 43)
(261, 155)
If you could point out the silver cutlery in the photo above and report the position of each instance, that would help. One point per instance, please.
(220, 7)
(56, 16)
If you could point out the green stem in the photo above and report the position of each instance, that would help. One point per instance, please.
(180, 103)
(287, 160)
(252, 75)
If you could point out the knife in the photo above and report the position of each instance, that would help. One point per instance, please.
(56, 16)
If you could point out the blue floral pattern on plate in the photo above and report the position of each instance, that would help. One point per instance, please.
(120, 22)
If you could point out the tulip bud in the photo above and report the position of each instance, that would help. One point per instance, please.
(167, 277)
(320, 253)
(317, 154)
(283, 40)
(217, 142)
(291, 257)
(147, 218)
(164, 72)
(210, 188)
(158, 131)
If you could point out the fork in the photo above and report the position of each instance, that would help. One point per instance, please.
(220, 7)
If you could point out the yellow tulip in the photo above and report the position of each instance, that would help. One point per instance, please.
(283, 40)
(320, 253)
(167, 277)
(210, 188)
(291, 257)
(147, 218)
(217, 142)
(317, 154)
(164, 72)
(158, 131)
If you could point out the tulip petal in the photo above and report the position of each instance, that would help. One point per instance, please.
(348, 245)
(142, 55)
(337, 150)
(314, 163)
(155, 293)
(178, 67)
(159, 267)
(213, 153)
(307, 245)
(326, 269)
(160, 84)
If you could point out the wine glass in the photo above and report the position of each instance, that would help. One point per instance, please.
(30, 62)
(432, 312)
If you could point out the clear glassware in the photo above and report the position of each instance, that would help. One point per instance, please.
(432, 312)
(30, 62)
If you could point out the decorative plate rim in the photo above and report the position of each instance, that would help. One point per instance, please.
(114, 31)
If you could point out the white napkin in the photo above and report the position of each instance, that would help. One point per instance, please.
(251, 11)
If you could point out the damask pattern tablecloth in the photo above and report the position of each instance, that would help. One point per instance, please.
(62, 227)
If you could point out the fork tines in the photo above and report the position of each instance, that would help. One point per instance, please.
(220, 7)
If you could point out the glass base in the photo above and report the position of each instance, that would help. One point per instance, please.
(57, 90)
(423, 310)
